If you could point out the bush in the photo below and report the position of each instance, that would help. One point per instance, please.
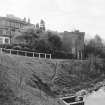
(6, 46)
(62, 55)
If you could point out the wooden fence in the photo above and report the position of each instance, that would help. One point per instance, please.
(25, 53)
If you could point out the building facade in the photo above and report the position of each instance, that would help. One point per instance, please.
(4, 40)
(9, 25)
(73, 42)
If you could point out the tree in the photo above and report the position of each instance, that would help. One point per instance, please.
(98, 41)
(94, 47)
(43, 46)
(55, 40)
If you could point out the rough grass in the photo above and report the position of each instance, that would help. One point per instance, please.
(20, 71)
(39, 81)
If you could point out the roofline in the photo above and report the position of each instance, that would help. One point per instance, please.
(16, 20)
(75, 33)
(5, 36)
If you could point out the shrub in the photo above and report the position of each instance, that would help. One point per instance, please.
(62, 55)
(6, 46)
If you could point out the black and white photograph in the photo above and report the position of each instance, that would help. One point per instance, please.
(52, 52)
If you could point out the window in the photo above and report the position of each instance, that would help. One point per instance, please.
(19, 25)
(7, 32)
(4, 32)
(3, 22)
(6, 41)
(1, 32)
(16, 25)
(8, 23)
(1, 40)
(12, 24)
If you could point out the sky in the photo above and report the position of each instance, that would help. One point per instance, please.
(61, 15)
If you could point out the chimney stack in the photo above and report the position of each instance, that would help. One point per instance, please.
(28, 20)
(24, 19)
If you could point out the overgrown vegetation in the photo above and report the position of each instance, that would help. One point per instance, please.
(66, 77)
(35, 40)
(6, 93)
(94, 47)
(47, 79)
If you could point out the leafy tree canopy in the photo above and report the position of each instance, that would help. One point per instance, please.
(55, 40)
(94, 46)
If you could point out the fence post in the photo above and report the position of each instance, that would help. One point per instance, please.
(50, 56)
(17, 52)
(39, 55)
(1, 50)
(10, 52)
(33, 54)
(25, 53)
(45, 56)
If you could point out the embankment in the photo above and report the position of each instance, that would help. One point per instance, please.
(38, 81)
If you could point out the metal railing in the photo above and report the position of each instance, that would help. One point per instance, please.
(25, 53)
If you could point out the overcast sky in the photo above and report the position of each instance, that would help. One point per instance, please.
(60, 15)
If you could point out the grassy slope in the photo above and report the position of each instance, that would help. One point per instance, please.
(19, 71)
(61, 76)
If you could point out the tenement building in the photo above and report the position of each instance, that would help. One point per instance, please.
(9, 25)
(73, 42)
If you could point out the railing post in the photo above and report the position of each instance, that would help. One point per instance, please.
(33, 54)
(39, 55)
(25, 53)
(81, 56)
(50, 56)
(10, 52)
(1, 50)
(17, 52)
(45, 56)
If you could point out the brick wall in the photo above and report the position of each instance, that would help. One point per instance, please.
(73, 42)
